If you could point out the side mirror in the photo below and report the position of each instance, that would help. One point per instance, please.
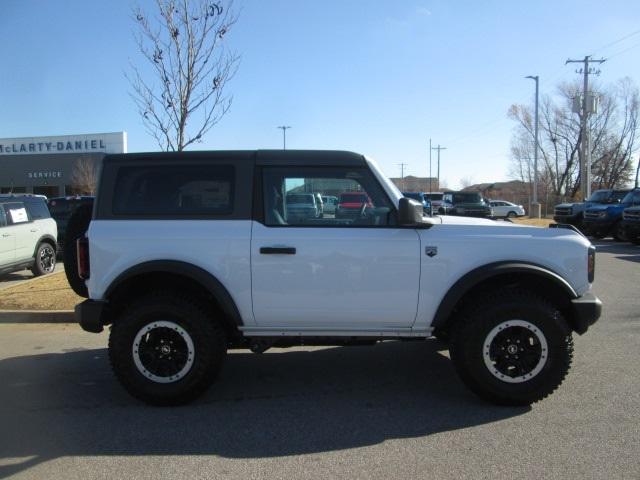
(410, 212)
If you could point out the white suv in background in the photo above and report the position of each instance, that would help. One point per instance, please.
(502, 208)
(27, 235)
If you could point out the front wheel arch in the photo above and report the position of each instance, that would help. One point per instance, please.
(492, 277)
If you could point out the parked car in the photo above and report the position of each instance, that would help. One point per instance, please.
(631, 224)
(353, 204)
(573, 213)
(502, 208)
(330, 203)
(601, 221)
(27, 235)
(61, 209)
(466, 204)
(510, 296)
(436, 199)
(420, 197)
(302, 206)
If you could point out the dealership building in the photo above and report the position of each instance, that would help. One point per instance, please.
(55, 166)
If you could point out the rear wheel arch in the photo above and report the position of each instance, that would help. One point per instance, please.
(181, 276)
(504, 275)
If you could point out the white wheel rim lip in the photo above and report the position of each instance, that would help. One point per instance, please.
(185, 336)
(486, 347)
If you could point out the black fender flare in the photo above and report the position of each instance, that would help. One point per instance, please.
(197, 274)
(480, 274)
(47, 238)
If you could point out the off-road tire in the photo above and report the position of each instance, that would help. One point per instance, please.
(474, 327)
(45, 259)
(76, 228)
(618, 233)
(209, 342)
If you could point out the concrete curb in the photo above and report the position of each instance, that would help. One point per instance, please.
(37, 316)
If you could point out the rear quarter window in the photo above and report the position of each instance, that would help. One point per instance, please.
(37, 208)
(174, 190)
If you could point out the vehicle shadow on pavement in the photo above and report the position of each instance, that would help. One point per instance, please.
(281, 403)
(623, 251)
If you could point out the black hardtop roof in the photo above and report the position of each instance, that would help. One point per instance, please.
(260, 157)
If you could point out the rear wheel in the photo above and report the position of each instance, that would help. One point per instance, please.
(165, 349)
(512, 348)
(45, 260)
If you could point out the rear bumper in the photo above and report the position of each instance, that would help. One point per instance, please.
(90, 314)
(586, 311)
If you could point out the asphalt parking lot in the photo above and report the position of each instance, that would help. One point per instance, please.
(396, 410)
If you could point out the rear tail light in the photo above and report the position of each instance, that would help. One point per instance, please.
(591, 263)
(82, 252)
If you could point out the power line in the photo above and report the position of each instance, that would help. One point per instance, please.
(615, 42)
(623, 51)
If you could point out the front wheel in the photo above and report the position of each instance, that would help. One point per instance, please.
(512, 348)
(512, 215)
(165, 349)
(45, 260)
(619, 235)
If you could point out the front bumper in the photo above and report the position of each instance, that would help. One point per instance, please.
(567, 219)
(631, 229)
(586, 311)
(598, 226)
(90, 314)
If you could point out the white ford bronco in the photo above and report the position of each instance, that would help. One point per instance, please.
(187, 255)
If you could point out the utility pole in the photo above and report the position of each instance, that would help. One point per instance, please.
(402, 165)
(535, 206)
(284, 135)
(438, 148)
(587, 107)
(430, 175)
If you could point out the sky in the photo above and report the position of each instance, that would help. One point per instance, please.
(375, 77)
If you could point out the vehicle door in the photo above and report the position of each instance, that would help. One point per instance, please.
(7, 241)
(350, 273)
(22, 229)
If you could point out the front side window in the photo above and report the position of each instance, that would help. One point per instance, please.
(291, 193)
(174, 190)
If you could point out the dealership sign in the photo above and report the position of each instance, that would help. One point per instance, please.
(90, 143)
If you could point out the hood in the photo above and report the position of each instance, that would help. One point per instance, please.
(456, 220)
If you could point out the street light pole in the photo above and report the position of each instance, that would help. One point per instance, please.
(535, 206)
(284, 135)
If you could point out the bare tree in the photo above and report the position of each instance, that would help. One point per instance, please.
(614, 138)
(84, 176)
(183, 93)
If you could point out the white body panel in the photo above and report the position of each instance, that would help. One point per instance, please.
(463, 248)
(7, 246)
(220, 247)
(351, 278)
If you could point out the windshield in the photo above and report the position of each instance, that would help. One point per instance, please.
(599, 196)
(414, 195)
(632, 197)
(353, 197)
(299, 199)
(471, 197)
(434, 196)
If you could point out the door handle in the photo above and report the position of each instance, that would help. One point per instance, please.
(34, 230)
(5, 235)
(278, 250)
